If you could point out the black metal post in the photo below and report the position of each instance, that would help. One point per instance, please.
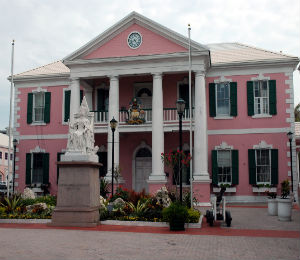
(180, 150)
(113, 161)
(291, 164)
(14, 169)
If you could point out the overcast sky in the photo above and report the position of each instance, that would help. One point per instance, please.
(48, 30)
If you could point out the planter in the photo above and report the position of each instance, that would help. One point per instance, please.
(263, 189)
(177, 225)
(285, 209)
(272, 207)
(228, 190)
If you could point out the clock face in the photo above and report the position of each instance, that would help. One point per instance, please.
(134, 40)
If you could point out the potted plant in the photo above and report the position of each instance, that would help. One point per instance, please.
(272, 203)
(176, 214)
(285, 202)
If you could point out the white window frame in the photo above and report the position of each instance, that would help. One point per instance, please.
(270, 165)
(229, 150)
(260, 82)
(216, 99)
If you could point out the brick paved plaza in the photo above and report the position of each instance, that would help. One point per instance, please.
(253, 235)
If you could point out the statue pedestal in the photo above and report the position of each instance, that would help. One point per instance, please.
(78, 194)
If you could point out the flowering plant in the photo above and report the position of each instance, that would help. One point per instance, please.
(172, 158)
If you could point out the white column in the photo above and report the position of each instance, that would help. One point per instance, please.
(200, 154)
(157, 174)
(75, 97)
(113, 111)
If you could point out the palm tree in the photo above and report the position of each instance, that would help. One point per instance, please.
(297, 113)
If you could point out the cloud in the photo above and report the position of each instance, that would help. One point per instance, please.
(49, 30)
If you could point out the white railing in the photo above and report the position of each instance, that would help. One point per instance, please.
(169, 114)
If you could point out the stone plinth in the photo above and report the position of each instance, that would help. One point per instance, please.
(78, 195)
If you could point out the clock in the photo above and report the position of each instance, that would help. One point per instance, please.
(134, 40)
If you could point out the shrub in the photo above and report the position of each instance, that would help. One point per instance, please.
(12, 204)
(193, 216)
(135, 197)
(120, 193)
(175, 212)
(285, 189)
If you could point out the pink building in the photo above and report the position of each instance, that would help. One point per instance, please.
(242, 99)
(4, 158)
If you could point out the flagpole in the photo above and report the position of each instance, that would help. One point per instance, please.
(190, 108)
(10, 115)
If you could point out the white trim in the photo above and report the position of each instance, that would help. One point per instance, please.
(223, 117)
(224, 146)
(263, 145)
(222, 79)
(262, 116)
(38, 82)
(248, 131)
(260, 77)
(39, 89)
(44, 137)
(37, 149)
(37, 123)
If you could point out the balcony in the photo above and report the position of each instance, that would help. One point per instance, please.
(170, 115)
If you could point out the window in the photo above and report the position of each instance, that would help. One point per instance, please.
(0, 155)
(261, 97)
(223, 98)
(224, 166)
(37, 168)
(11, 157)
(38, 107)
(6, 156)
(263, 166)
(185, 173)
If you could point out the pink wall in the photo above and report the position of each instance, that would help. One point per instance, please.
(50, 146)
(56, 116)
(152, 44)
(243, 120)
(243, 143)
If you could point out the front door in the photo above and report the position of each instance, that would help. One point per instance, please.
(143, 168)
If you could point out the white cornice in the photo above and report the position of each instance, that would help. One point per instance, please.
(125, 23)
(69, 63)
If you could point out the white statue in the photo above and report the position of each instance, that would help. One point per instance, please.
(81, 133)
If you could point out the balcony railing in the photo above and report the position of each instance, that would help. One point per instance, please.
(169, 114)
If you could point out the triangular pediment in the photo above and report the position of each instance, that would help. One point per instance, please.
(156, 39)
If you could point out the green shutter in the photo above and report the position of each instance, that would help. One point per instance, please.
(29, 107)
(250, 98)
(272, 97)
(212, 99)
(47, 107)
(274, 166)
(67, 105)
(233, 98)
(46, 168)
(81, 96)
(28, 169)
(235, 166)
(215, 169)
(252, 166)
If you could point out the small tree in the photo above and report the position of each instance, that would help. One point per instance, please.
(172, 159)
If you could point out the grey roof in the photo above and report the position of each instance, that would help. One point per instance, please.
(221, 53)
